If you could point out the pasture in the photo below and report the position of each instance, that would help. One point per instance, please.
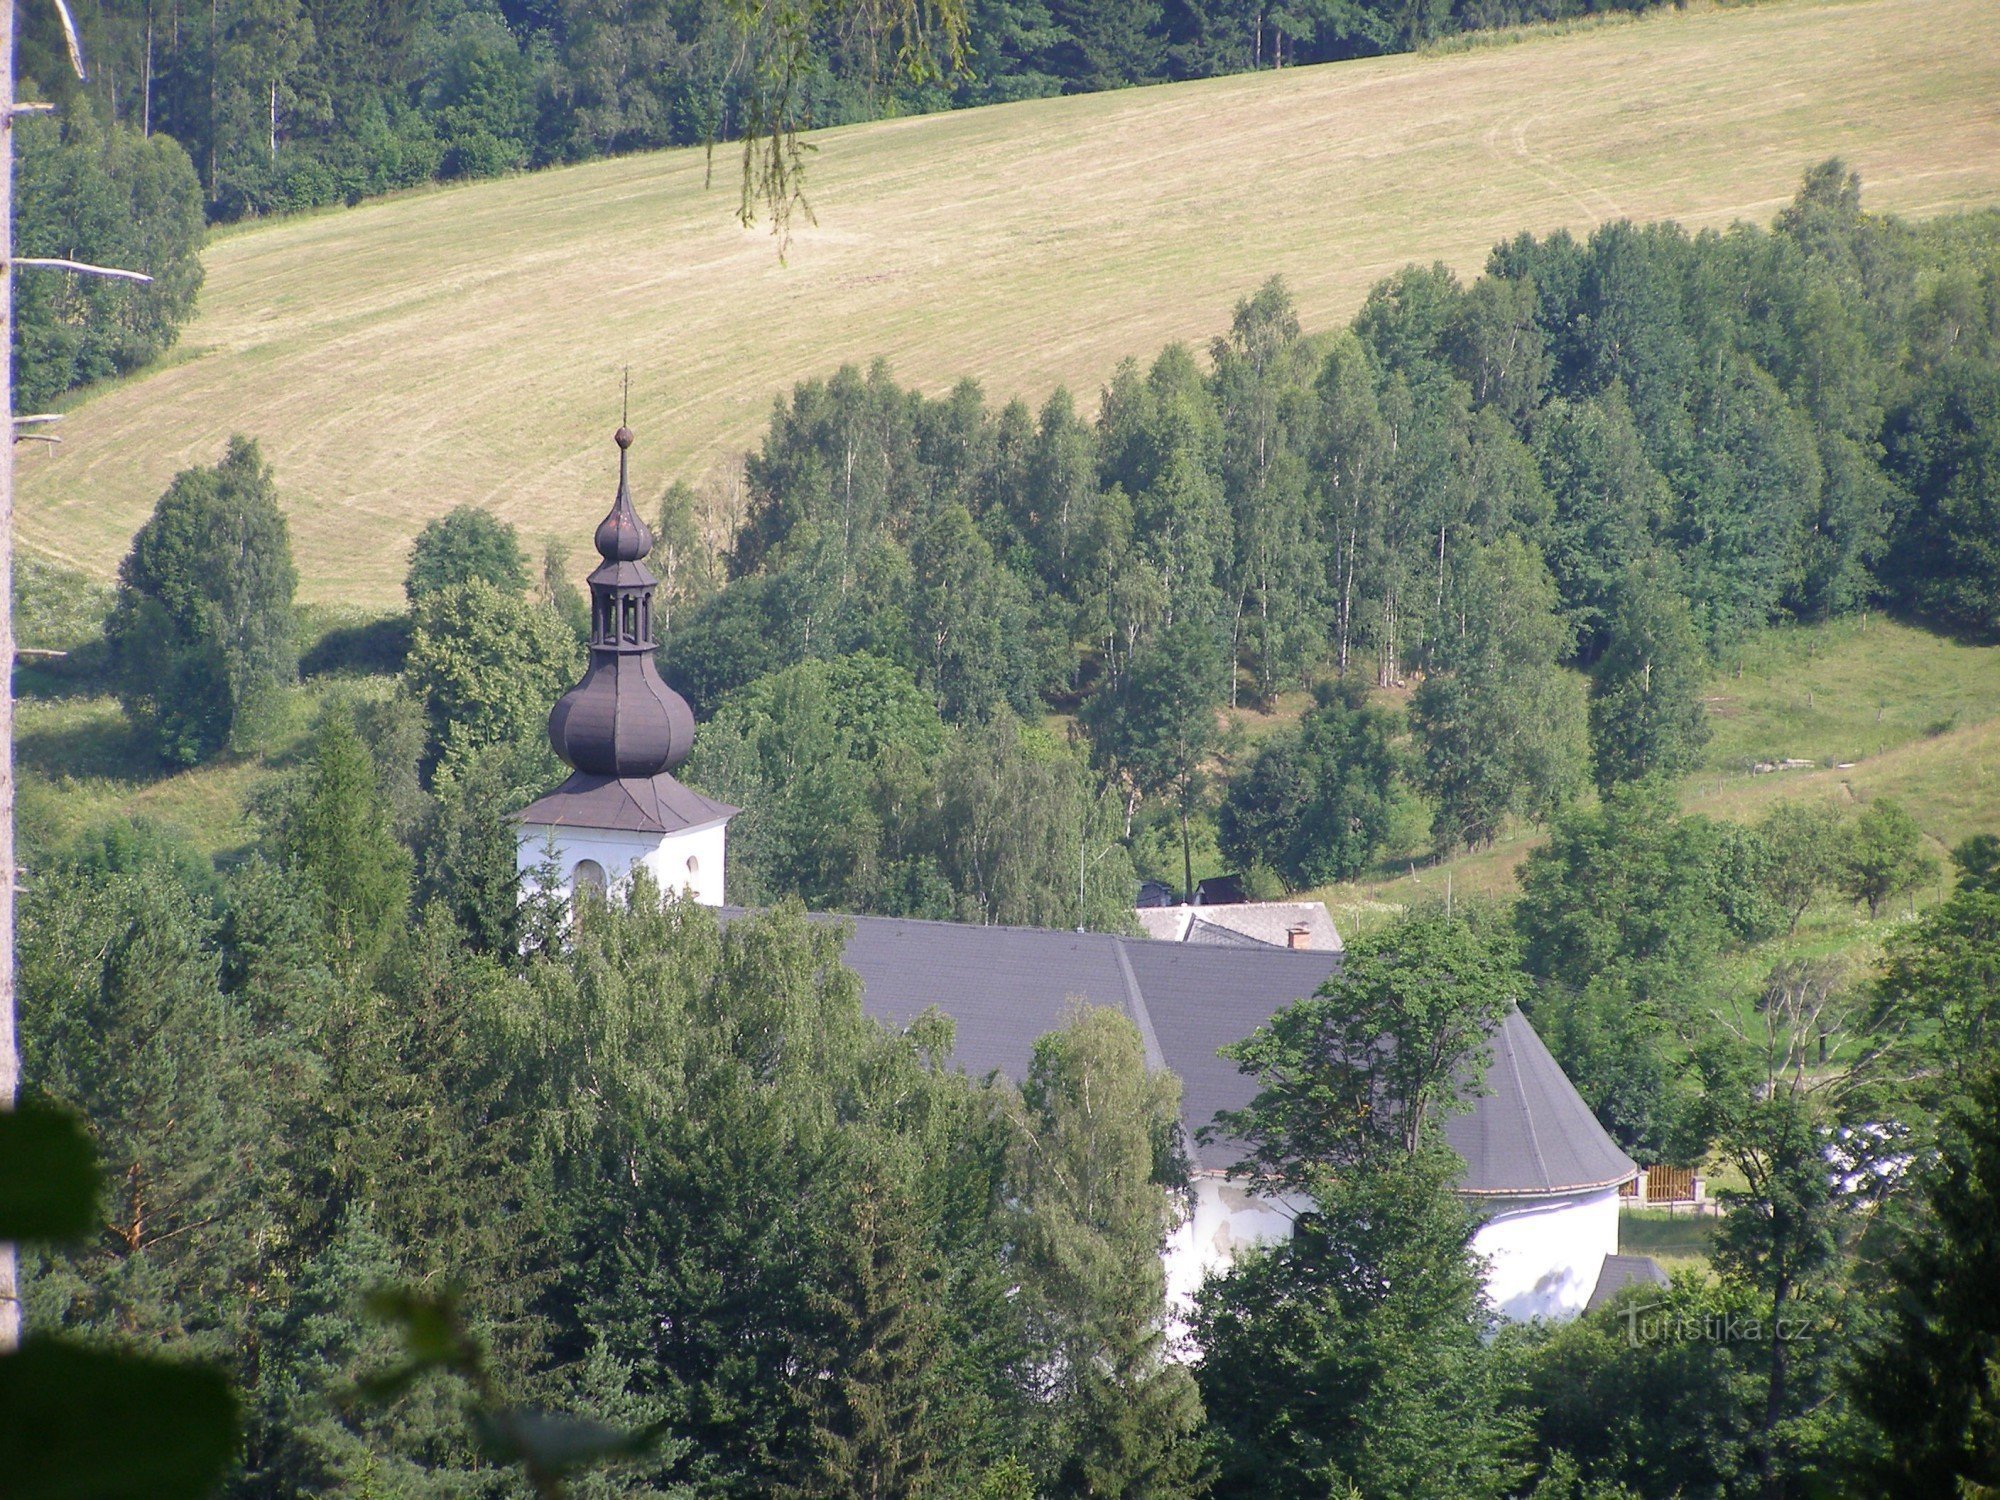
(466, 344)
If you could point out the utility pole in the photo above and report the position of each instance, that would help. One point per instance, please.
(10, 1049)
(10, 264)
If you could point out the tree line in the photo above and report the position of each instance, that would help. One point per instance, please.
(1544, 504)
(285, 104)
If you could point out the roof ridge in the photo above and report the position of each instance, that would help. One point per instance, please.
(1527, 1107)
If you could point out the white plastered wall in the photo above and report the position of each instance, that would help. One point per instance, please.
(1228, 1218)
(1542, 1253)
(689, 862)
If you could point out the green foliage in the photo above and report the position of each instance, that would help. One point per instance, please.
(461, 546)
(1154, 728)
(1806, 849)
(108, 196)
(560, 593)
(78, 1421)
(201, 633)
(1885, 856)
(1092, 1162)
(1656, 1393)
(487, 666)
(1349, 1359)
(1646, 715)
(1939, 982)
(1317, 804)
(1368, 1067)
(1925, 1379)
(1625, 889)
(334, 836)
(48, 1190)
(1499, 725)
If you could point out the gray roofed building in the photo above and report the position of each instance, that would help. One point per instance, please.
(1528, 1132)
(1620, 1272)
(1541, 1169)
(1531, 1132)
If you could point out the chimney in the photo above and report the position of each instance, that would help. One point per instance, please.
(1299, 936)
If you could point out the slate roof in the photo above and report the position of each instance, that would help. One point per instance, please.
(1621, 1271)
(1007, 986)
(628, 804)
(1531, 1132)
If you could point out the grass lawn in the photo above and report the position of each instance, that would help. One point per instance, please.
(1678, 1241)
(465, 344)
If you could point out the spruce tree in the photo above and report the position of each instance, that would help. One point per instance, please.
(334, 835)
(1927, 1380)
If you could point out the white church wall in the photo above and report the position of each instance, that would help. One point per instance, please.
(688, 862)
(1543, 1254)
(1228, 1219)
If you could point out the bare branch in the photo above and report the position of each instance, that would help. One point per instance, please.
(70, 39)
(80, 268)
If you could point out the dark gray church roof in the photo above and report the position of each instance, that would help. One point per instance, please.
(1531, 1132)
(628, 804)
(1620, 1271)
(1006, 986)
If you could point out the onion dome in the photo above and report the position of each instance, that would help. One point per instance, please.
(621, 719)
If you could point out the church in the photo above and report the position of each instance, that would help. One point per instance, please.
(1540, 1171)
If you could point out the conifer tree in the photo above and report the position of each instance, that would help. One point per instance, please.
(334, 835)
(1927, 1379)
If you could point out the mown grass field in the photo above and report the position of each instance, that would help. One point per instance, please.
(465, 345)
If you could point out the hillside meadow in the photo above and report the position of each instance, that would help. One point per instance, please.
(1881, 709)
(466, 346)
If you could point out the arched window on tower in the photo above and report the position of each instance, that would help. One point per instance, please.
(586, 881)
(631, 619)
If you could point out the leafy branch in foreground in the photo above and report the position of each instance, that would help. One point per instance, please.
(777, 56)
(548, 1446)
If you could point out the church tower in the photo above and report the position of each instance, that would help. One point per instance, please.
(623, 730)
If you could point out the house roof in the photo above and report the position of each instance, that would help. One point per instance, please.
(1266, 922)
(1007, 986)
(626, 804)
(1620, 1271)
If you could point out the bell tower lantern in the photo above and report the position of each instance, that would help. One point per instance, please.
(624, 731)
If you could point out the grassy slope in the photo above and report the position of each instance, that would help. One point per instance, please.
(1884, 709)
(465, 345)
